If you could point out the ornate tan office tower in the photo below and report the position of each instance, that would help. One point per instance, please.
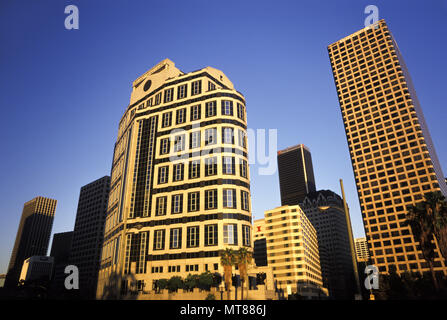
(392, 154)
(180, 180)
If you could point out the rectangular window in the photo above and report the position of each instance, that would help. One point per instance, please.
(163, 174)
(127, 253)
(240, 111)
(211, 235)
(159, 239)
(161, 204)
(194, 140)
(157, 98)
(230, 234)
(228, 165)
(227, 135)
(166, 119)
(142, 257)
(169, 94)
(242, 139)
(196, 87)
(149, 102)
(194, 169)
(227, 108)
(192, 237)
(180, 116)
(210, 109)
(210, 166)
(195, 112)
(193, 201)
(175, 239)
(117, 250)
(210, 199)
(179, 143)
(243, 168)
(181, 91)
(178, 171)
(211, 86)
(245, 201)
(246, 236)
(164, 146)
(210, 136)
(177, 203)
(229, 198)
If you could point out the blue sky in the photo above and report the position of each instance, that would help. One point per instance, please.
(63, 92)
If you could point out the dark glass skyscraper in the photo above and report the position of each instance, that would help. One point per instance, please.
(60, 251)
(88, 234)
(33, 235)
(324, 209)
(296, 174)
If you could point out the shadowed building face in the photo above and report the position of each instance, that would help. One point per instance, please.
(33, 235)
(296, 174)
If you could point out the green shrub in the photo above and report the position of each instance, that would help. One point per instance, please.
(210, 296)
(205, 281)
(162, 284)
(175, 283)
(191, 282)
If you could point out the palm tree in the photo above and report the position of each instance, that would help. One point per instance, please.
(243, 259)
(438, 205)
(227, 260)
(428, 221)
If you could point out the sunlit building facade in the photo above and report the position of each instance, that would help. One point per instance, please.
(361, 249)
(292, 251)
(180, 188)
(392, 154)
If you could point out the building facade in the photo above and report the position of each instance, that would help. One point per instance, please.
(33, 235)
(296, 174)
(88, 234)
(37, 268)
(361, 249)
(392, 154)
(325, 210)
(60, 252)
(180, 188)
(292, 251)
(259, 243)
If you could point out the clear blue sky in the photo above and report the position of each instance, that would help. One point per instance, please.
(63, 92)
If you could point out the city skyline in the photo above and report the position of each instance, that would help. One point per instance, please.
(95, 153)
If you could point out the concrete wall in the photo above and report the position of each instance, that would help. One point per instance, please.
(197, 294)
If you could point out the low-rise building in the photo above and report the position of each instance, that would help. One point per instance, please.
(37, 268)
(292, 252)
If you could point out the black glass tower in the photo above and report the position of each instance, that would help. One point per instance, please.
(296, 174)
